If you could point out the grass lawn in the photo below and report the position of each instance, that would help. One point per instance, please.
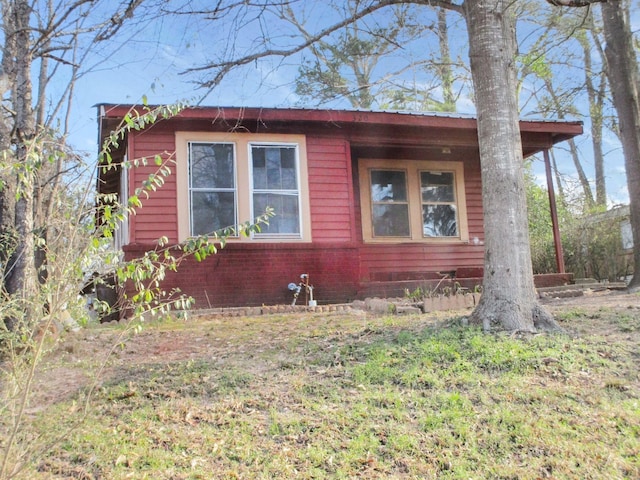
(347, 395)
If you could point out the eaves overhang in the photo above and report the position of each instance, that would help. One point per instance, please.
(361, 127)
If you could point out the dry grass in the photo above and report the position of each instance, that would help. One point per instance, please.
(351, 396)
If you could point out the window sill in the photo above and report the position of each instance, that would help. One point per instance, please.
(423, 241)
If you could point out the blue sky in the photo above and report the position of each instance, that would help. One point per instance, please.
(151, 61)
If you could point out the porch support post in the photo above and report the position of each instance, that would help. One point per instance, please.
(557, 241)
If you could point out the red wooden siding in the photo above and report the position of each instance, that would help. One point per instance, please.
(258, 274)
(330, 192)
(158, 216)
(473, 192)
(339, 263)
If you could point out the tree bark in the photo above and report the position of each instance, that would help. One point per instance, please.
(622, 70)
(20, 276)
(508, 299)
(596, 100)
(445, 71)
(42, 30)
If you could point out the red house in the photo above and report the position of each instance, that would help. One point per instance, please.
(367, 203)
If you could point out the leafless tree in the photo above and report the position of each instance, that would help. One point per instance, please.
(624, 76)
(43, 43)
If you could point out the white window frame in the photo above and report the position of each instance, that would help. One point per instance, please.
(192, 189)
(413, 168)
(295, 192)
(453, 203)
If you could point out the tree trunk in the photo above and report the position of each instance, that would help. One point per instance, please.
(622, 70)
(509, 298)
(573, 149)
(596, 100)
(7, 193)
(20, 277)
(445, 71)
(556, 173)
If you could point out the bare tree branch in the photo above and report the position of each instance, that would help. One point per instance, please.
(222, 68)
(56, 19)
(117, 20)
(575, 3)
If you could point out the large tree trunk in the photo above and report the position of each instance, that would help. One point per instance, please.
(7, 193)
(509, 298)
(622, 69)
(20, 277)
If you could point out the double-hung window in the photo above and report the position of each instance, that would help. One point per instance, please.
(275, 184)
(212, 187)
(411, 201)
(232, 178)
(389, 203)
(439, 211)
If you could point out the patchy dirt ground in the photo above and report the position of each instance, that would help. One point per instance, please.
(95, 355)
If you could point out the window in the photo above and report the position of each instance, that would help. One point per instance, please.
(439, 215)
(411, 201)
(275, 184)
(390, 203)
(212, 187)
(229, 178)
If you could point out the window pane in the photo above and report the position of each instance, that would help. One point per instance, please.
(212, 211)
(388, 186)
(274, 168)
(211, 165)
(287, 214)
(259, 160)
(437, 186)
(289, 179)
(439, 221)
(391, 220)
